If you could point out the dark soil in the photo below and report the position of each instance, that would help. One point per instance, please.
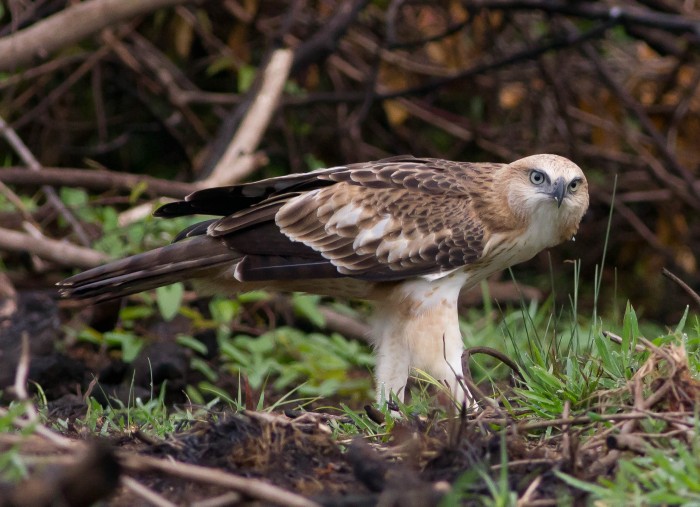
(415, 463)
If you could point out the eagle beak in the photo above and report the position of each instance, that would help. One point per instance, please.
(558, 191)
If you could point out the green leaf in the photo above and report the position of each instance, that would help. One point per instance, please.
(582, 485)
(231, 351)
(194, 395)
(192, 343)
(216, 391)
(681, 325)
(74, 197)
(131, 313)
(129, 343)
(246, 76)
(630, 329)
(313, 163)
(90, 335)
(136, 192)
(110, 219)
(169, 299)
(307, 305)
(254, 296)
(204, 368)
(221, 64)
(223, 310)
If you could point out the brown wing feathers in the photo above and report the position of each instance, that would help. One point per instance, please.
(380, 221)
(404, 217)
(223, 201)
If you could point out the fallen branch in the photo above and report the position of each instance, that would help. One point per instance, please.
(253, 488)
(33, 164)
(688, 290)
(145, 493)
(325, 41)
(675, 23)
(618, 339)
(69, 26)
(95, 180)
(57, 251)
(348, 326)
(240, 158)
(584, 419)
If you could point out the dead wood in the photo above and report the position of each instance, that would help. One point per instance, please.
(60, 252)
(97, 180)
(240, 158)
(69, 26)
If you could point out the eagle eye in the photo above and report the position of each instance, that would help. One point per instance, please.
(573, 186)
(537, 177)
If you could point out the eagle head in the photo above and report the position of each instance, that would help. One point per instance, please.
(547, 192)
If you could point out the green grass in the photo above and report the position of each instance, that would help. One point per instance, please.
(564, 360)
(12, 466)
(664, 476)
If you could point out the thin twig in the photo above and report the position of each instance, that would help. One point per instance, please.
(229, 498)
(33, 164)
(21, 375)
(496, 354)
(600, 11)
(526, 499)
(688, 290)
(632, 416)
(20, 391)
(618, 339)
(145, 493)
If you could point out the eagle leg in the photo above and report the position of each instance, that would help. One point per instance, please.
(418, 327)
(393, 367)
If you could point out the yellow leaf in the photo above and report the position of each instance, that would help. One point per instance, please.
(395, 112)
(511, 95)
(183, 35)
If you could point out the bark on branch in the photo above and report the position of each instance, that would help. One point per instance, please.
(239, 158)
(675, 23)
(95, 180)
(61, 252)
(69, 26)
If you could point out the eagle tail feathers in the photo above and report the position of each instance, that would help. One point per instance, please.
(169, 264)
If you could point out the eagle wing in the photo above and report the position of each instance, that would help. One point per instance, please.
(382, 221)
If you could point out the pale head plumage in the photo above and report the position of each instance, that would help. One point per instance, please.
(407, 232)
(547, 187)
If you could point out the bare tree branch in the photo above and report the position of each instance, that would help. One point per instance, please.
(58, 251)
(33, 164)
(95, 180)
(325, 41)
(239, 158)
(69, 26)
(249, 486)
(590, 10)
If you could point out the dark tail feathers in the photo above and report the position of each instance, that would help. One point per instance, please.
(173, 263)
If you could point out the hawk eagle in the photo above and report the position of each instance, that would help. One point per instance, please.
(407, 233)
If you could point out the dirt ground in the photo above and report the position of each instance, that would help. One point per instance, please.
(286, 458)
